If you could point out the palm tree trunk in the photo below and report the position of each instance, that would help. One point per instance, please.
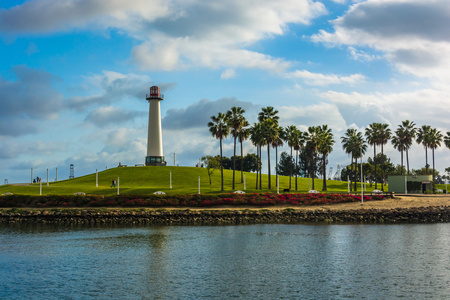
(432, 151)
(268, 163)
(401, 152)
(382, 168)
(260, 167)
(313, 167)
(276, 164)
(324, 187)
(356, 173)
(221, 165)
(407, 161)
(257, 167)
(375, 163)
(290, 169)
(242, 164)
(426, 161)
(351, 174)
(234, 161)
(296, 168)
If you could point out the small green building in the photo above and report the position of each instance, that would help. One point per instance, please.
(414, 184)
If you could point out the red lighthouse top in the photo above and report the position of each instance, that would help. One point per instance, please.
(154, 93)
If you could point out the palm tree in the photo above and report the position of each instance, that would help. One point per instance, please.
(447, 139)
(353, 144)
(384, 135)
(312, 142)
(398, 141)
(277, 142)
(325, 146)
(435, 139)
(423, 137)
(219, 128)
(236, 121)
(243, 135)
(409, 133)
(269, 134)
(299, 141)
(371, 134)
(290, 137)
(268, 113)
(256, 137)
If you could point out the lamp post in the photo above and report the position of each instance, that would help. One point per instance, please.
(278, 185)
(170, 179)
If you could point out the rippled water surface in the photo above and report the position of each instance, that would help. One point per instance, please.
(244, 262)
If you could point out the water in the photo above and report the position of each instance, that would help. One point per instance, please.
(243, 262)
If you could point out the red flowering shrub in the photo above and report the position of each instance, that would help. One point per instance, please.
(203, 200)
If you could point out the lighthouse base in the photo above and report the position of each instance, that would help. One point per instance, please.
(155, 161)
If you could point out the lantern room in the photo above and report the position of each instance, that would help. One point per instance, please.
(154, 93)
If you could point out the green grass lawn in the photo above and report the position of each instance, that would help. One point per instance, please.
(146, 180)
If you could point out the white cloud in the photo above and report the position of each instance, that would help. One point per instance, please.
(228, 73)
(322, 79)
(412, 34)
(423, 106)
(175, 34)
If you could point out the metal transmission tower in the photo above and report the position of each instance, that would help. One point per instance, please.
(330, 173)
(337, 176)
(71, 172)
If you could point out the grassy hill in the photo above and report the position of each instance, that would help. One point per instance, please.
(146, 180)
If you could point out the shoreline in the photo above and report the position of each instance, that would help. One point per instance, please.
(400, 209)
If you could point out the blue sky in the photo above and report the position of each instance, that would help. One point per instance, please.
(74, 73)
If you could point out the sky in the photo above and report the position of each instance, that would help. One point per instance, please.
(74, 74)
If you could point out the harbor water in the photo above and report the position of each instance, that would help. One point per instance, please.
(222, 262)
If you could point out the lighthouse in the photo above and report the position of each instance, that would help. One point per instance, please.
(155, 155)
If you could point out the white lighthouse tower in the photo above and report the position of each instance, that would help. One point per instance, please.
(155, 155)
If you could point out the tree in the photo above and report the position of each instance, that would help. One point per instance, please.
(212, 164)
(353, 144)
(257, 139)
(312, 143)
(236, 121)
(384, 135)
(250, 163)
(447, 140)
(409, 133)
(385, 163)
(325, 146)
(398, 141)
(269, 134)
(290, 136)
(371, 134)
(423, 137)
(268, 113)
(243, 135)
(268, 117)
(277, 142)
(435, 140)
(299, 141)
(286, 165)
(219, 128)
